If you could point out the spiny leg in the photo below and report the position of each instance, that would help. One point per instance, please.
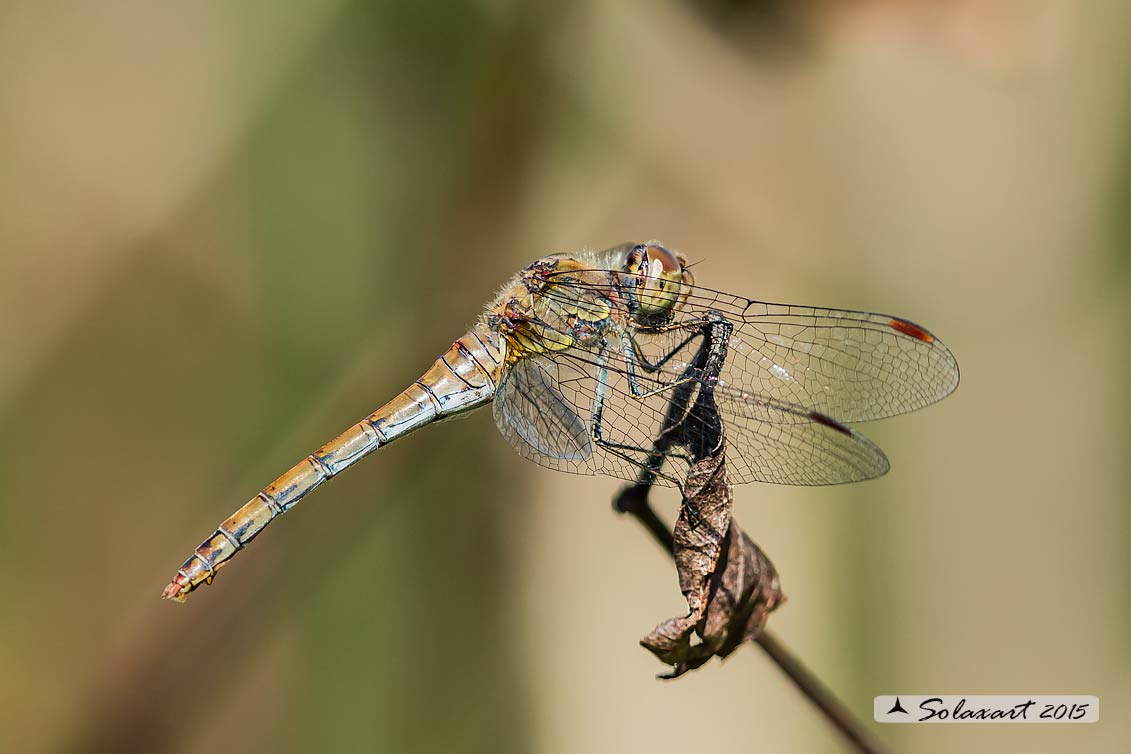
(708, 363)
(675, 413)
(706, 437)
(630, 354)
(696, 331)
(616, 448)
(634, 354)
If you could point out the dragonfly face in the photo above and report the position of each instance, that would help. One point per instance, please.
(654, 282)
(592, 359)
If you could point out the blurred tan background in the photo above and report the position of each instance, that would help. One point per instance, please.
(227, 231)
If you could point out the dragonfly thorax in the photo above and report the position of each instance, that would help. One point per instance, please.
(569, 300)
(539, 318)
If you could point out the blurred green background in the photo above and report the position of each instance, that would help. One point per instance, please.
(228, 231)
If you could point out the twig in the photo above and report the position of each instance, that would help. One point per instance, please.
(633, 500)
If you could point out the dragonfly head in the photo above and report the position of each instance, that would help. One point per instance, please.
(660, 277)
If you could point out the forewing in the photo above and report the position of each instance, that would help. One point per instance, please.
(851, 365)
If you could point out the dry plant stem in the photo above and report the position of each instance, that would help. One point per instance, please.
(634, 501)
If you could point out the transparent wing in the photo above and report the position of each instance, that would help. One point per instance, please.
(537, 420)
(784, 444)
(544, 402)
(792, 377)
(852, 365)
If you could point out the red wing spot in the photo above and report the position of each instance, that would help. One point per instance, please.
(912, 329)
(830, 422)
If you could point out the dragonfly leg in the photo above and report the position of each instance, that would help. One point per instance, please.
(697, 331)
(675, 438)
(633, 355)
(705, 436)
(650, 466)
(702, 371)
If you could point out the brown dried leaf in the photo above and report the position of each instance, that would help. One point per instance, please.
(730, 585)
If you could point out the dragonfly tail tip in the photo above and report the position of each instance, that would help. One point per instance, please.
(174, 592)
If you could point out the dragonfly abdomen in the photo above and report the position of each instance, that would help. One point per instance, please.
(460, 380)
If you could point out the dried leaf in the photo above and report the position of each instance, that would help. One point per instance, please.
(730, 585)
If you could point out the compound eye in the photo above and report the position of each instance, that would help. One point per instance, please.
(661, 261)
(660, 282)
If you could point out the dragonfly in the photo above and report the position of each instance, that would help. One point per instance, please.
(591, 361)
